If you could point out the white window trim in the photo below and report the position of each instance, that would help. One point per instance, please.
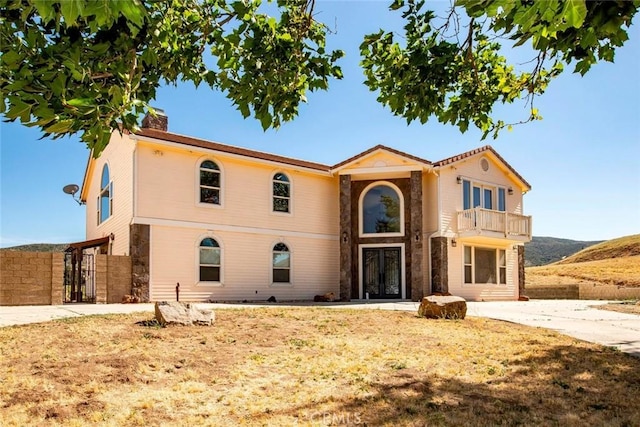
(98, 199)
(197, 181)
(403, 272)
(361, 232)
(290, 283)
(484, 185)
(278, 213)
(497, 266)
(198, 282)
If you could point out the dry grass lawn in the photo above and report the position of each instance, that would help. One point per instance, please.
(629, 307)
(615, 271)
(310, 366)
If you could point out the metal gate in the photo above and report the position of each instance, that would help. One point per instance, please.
(79, 277)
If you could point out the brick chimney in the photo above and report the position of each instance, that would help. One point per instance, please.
(160, 122)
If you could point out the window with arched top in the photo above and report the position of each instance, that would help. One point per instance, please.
(105, 197)
(281, 263)
(209, 182)
(209, 260)
(381, 210)
(281, 193)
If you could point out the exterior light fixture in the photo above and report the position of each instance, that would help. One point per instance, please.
(454, 243)
(72, 189)
(459, 179)
(510, 191)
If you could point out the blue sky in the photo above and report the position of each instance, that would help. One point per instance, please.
(582, 160)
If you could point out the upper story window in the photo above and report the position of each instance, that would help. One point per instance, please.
(281, 193)
(382, 210)
(105, 197)
(209, 182)
(209, 260)
(281, 264)
(483, 195)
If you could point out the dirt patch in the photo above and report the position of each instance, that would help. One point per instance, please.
(309, 366)
(630, 307)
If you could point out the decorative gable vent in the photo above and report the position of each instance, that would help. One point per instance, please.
(484, 164)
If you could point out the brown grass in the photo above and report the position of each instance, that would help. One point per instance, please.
(629, 307)
(623, 271)
(628, 246)
(310, 367)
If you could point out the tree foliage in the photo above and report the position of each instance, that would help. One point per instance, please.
(93, 66)
(453, 69)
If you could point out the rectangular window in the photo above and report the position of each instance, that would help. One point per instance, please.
(488, 198)
(502, 205)
(466, 194)
(485, 265)
(476, 197)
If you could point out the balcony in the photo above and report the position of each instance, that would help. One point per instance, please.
(490, 223)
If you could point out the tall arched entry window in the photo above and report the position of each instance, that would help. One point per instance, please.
(382, 210)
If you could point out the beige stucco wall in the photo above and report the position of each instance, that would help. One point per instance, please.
(168, 181)
(119, 156)
(246, 265)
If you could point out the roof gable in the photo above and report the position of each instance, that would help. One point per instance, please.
(380, 156)
(487, 149)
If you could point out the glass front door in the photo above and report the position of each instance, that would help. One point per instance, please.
(382, 272)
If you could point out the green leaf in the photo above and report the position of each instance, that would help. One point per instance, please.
(19, 109)
(81, 102)
(71, 10)
(574, 12)
(63, 126)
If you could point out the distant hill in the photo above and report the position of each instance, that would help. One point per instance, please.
(39, 247)
(545, 250)
(622, 247)
(614, 262)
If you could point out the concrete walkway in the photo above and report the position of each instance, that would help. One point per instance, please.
(575, 318)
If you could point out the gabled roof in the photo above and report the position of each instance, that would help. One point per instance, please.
(486, 148)
(378, 147)
(230, 149)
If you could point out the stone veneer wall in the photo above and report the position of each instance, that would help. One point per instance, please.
(31, 278)
(140, 247)
(417, 276)
(439, 263)
(345, 238)
(521, 276)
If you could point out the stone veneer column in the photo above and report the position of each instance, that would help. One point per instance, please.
(101, 271)
(345, 238)
(521, 277)
(140, 250)
(416, 236)
(439, 264)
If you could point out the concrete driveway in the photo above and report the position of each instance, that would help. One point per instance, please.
(575, 318)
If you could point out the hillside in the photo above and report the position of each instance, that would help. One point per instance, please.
(545, 250)
(627, 246)
(614, 262)
(39, 247)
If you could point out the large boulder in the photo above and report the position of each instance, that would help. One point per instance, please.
(180, 313)
(443, 307)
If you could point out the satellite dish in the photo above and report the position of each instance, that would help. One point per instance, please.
(71, 189)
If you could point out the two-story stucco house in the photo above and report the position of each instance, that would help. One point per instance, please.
(229, 223)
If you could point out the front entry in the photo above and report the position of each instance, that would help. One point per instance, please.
(381, 272)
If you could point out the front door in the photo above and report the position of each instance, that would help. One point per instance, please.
(381, 273)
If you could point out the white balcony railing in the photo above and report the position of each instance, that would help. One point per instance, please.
(480, 220)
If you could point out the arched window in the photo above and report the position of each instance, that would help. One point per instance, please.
(381, 210)
(281, 193)
(105, 198)
(281, 264)
(209, 260)
(209, 182)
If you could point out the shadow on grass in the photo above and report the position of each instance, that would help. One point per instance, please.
(560, 386)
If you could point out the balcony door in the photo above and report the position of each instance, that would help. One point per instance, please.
(382, 272)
